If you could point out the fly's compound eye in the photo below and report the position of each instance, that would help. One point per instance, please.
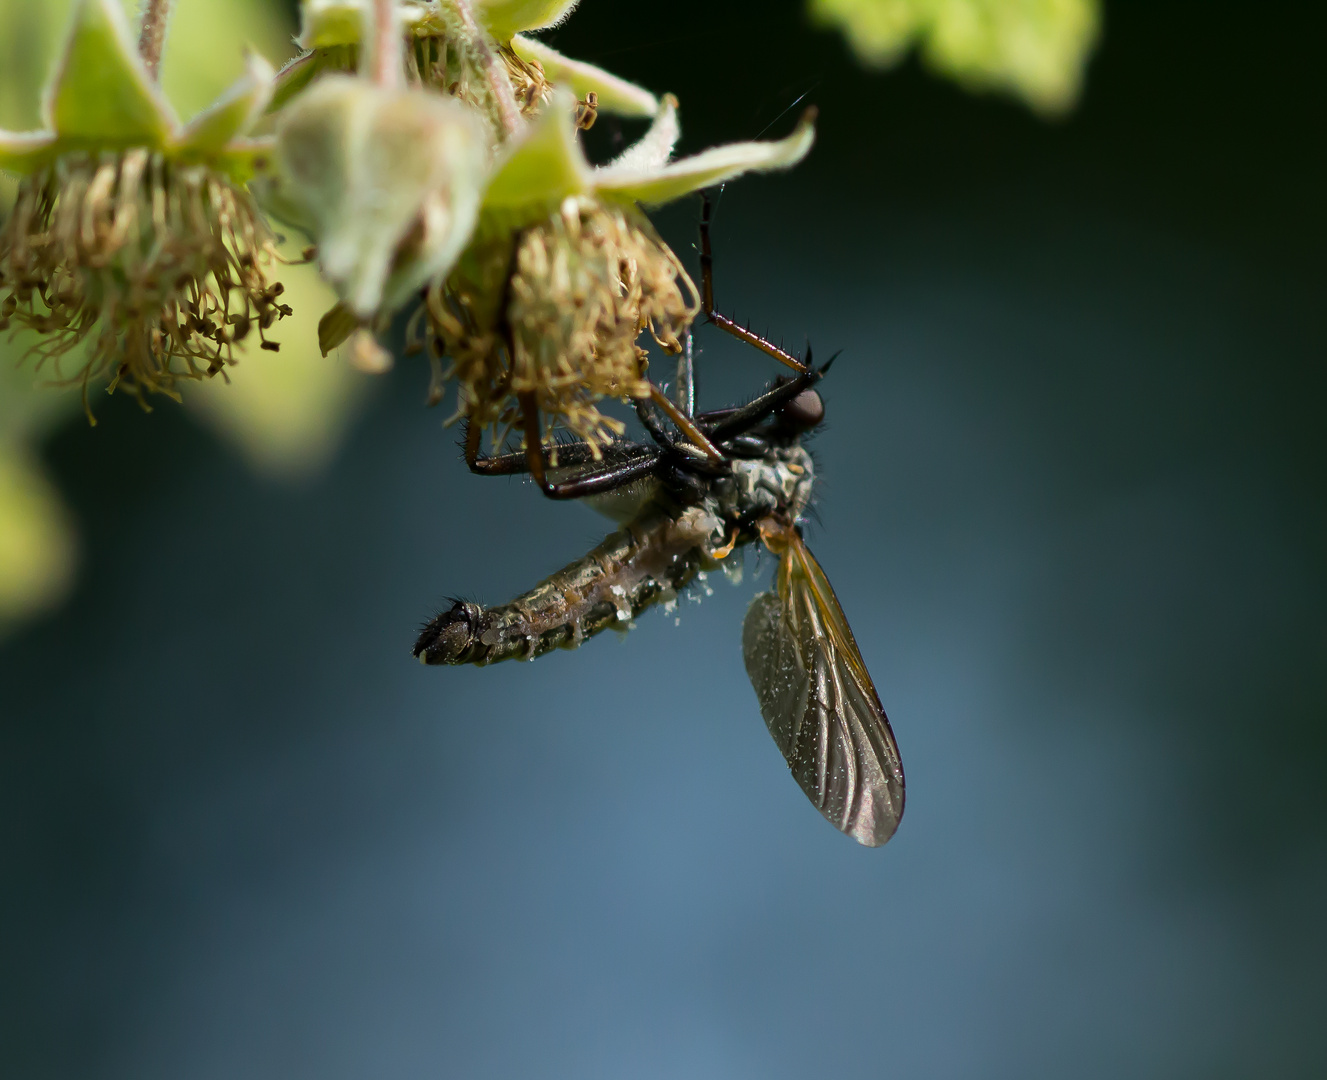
(804, 412)
(446, 639)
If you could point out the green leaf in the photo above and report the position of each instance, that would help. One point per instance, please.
(100, 91)
(616, 96)
(654, 186)
(1033, 48)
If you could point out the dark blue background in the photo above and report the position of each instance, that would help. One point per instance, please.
(1072, 500)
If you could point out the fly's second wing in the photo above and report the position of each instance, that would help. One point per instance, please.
(819, 702)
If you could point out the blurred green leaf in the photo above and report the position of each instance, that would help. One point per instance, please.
(37, 550)
(286, 411)
(1035, 49)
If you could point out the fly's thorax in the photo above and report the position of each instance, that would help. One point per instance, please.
(778, 483)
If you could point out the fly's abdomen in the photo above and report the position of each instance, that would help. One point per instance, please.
(651, 559)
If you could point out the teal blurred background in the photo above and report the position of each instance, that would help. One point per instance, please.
(1072, 500)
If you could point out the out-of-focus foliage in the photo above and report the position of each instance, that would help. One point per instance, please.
(36, 542)
(285, 411)
(37, 547)
(1036, 49)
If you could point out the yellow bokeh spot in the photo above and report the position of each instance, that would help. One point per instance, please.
(36, 543)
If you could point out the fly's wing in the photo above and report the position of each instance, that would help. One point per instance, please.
(819, 702)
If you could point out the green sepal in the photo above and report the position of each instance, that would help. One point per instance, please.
(654, 186)
(236, 111)
(243, 159)
(616, 96)
(653, 149)
(325, 24)
(25, 152)
(544, 165)
(506, 18)
(328, 24)
(336, 325)
(100, 92)
(298, 72)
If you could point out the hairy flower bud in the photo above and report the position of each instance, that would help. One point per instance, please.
(387, 183)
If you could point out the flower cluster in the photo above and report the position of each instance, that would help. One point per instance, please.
(541, 274)
(133, 243)
(429, 149)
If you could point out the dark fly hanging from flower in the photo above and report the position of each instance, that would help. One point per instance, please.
(684, 513)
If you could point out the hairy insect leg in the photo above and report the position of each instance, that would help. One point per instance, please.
(572, 454)
(684, 424)
(743, 333)
(609, 477)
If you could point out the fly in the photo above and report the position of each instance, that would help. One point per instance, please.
(684, 512)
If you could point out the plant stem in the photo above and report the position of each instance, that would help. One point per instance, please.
(385, 61)
(152, 36)
(509, 114)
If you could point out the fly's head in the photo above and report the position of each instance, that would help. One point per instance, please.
(449, 636)
(801, 415)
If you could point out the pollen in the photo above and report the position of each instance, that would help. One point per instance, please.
(580, 289)
(136, 271)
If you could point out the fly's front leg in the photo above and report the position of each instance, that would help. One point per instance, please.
(517, 464)
(609, 477)
(742, 333)
(494, 464)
